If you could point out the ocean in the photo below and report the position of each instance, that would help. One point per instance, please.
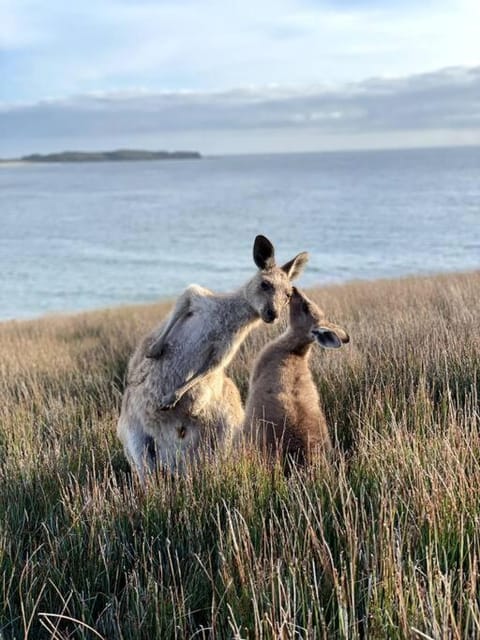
(91, 235)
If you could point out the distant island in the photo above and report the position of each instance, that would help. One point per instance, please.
(120, 155)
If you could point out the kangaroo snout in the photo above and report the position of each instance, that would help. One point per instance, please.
(269, 315)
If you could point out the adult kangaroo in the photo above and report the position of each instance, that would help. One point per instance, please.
(283, 415)
(178, 397)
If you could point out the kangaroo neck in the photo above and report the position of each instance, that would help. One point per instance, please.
(241, 315)
(299, 345)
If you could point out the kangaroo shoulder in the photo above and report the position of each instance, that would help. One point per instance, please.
(198, 298)
(273, 354)
(266, 363)
(196, 291)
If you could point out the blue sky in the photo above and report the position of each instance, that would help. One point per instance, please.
(62, 64)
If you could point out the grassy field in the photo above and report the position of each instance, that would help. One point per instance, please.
(385, 544)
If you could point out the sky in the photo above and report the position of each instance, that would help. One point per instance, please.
(238, 77)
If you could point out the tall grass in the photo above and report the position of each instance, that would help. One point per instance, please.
(385, 543)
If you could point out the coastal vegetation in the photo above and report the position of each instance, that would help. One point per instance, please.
(119, 155)
(384, 543)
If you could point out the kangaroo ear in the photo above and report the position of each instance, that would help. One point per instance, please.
(327, 338)
(294, 267)
(343, 335)
(263, 253)
(331, 337)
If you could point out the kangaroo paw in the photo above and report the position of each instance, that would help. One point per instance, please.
(168, 401)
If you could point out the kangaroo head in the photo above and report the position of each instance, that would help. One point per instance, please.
(308, 320)
(269, 291)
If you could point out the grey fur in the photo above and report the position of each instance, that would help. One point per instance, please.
(178, 393)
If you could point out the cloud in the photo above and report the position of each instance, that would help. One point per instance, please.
(446, 100)
(59, 48)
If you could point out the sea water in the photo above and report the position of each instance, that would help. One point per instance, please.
(89, 235)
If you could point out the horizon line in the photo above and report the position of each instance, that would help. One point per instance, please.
(423, 147)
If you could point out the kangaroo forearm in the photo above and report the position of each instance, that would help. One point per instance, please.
(210, 363)
(155, 350)
(196, 379)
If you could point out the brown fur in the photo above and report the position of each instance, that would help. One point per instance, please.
(283, 414)
(179, 399)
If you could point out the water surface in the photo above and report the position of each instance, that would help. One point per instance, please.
(99, 234)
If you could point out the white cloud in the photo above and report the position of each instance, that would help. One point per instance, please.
(435, 108)
(78, 47)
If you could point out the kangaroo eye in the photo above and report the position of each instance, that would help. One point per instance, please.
(265, 285)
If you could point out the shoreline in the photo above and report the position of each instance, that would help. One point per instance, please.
(127, 307)
(13, 163)
(117, 155)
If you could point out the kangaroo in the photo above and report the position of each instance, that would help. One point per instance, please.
(283, 414)
(178, 397)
